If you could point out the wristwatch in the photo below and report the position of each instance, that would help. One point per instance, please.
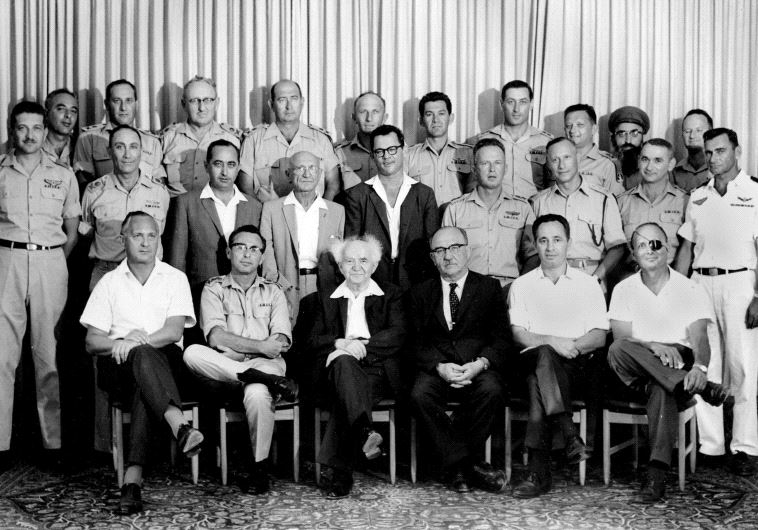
(701, 367)
(485, 362)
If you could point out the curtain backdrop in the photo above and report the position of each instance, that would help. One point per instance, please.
(666, 56)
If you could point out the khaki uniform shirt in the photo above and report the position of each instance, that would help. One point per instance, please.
(91, 153)
(356, 164)
(525, 158)
(257, 313)
(33, 207)
(593, 216)
(500, 238)
(667, 211)
(106, 202)
(265, 155)
(687, 177)
(184, 154)
(64, 159)
(448, 172)
(597, 167)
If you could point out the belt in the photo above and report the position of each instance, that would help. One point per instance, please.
(715, 271)
(26, 246)
(582, 263)
(306, 272)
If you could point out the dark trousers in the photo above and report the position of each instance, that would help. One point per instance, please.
(354, 390)
(145, 380)
(638, 368)
(458, 438)
(549, 381)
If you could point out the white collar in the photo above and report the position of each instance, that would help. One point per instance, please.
(343, 291)
(375, 181)
(207, 193)
(319, 202)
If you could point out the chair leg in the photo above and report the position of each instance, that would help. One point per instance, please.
(636, 436)
(317, 443)
(222, 420)
(393, 448)
(413, 450)
(508, 448)
(118, 441)
(583, 434)
(682, 450)
(693, 443)
(296, 443)
(488, 450)
(606, 448)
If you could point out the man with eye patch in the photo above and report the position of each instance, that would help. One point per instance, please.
(659, 320)
(597, 238)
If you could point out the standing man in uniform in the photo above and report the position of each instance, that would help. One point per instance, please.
(185, 144)
(299, 230)
(595, 166)
(265, 152)
(691, 172)
(721, 232)
(438, 162)
(92, 158)
(356, 163)
(399, 211)
(498, 225)
(62, 118)
(524, 145)
(39, 216)
(597, 237)
(628, 127)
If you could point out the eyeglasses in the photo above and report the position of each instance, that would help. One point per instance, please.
(195, 102)
(454, 250)
(244, 249)
(654, 244)
(634, 134)
(299, 171)
(392, 151)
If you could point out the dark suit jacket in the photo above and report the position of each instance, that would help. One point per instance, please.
(482, 328)
(325, 322)
(365, 213)
(197, 245)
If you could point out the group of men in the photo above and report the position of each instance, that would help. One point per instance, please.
(477, 265)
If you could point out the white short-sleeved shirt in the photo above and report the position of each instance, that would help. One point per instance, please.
(120, 303)
(356, 325)
(664, 317)
(569, 308)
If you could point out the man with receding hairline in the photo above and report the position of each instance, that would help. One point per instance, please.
(356, 163)
(692, 171)
(62, 118)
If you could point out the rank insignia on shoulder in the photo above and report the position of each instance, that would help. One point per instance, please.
(700, 201)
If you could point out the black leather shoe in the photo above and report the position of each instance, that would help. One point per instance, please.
(286, 388)
(741, 465)
(190, 440)
(372, 444)
(714, 394)
(533, 485)
(459, 483)
(131, 499)
(257, 482)
(485, 477)
(576, 451)
(655, 488)
(342, 484)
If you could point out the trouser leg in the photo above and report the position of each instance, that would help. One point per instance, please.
(662, 417)
(636, 365)
(482, 402)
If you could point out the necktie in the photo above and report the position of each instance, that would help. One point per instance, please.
(454, 302)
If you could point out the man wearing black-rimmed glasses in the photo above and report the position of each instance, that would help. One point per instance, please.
(399, 211)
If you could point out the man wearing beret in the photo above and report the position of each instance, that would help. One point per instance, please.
(628, 126)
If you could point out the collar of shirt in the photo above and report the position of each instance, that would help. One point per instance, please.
(428, 146)
(582, 187)
(571, 273)
(356, 143)
(460, 282)
(229, 281)
(343, 291)
(686, 166)
(477, 199)
(740, 180)
(185, 129)
(500, 131)
(158, 270)
(237, 198)
(593, 153)
(319, 202)
(376, 183)
(668, 190)
(273, 132)
(111, 181)
(11, 160)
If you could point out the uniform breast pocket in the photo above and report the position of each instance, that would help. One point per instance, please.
(235, 322)
(592, 225)
(536, 157)
(53, 193)
(262, 311)
(512, 223)
(475, 231)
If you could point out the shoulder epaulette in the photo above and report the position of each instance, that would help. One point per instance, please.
(344, 143)
(3, 158)
(147, 132)
(461, 198)
(677, 188)
(605, 154)
(97, 183)
(461, 144)
(599, 189)
(157, 180)
(322, 131)
(91, 128)
(520, 198)
(625, 192)
(247, 132)
(233, 130)
(545, 133)
(169, 128)
(214, 280)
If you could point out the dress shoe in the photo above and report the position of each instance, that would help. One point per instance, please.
(131, 499)
(190, 440)
(6, 462)
(341, 485)
(459, 482)
(576, 451)
(372, 444)
(52, 460)
(655, 488)
(286, 388)
(714, 394)
(257, 481)
(741, 465)
(485, 477)
(533, 485)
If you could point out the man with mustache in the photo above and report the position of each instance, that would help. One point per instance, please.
(628, 127)
(356, 163)
(62, 116)
(691, 172)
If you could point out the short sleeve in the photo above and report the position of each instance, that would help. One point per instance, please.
(280, 315)
(687, 230)
(612, 226)
(619, 308)
(597, 313)
(181, 301)
(83, 155)
(247, 155)
(517, 311)
(98, 312)
(212, 309)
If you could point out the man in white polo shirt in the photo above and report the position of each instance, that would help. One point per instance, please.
(558, 318)
(659, 320)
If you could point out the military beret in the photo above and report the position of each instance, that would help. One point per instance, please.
(629, 115)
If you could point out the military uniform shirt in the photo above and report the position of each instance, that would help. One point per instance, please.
(64, 159)
(257, 313)
(105, 204)
(356, 164)
(597, 167)
(265, 155)
(184, 154)
(723, 229)
(448, 172)
(593, 217)
(33, 207)
(525, 160)
(667, 211)
(687, 177)
(498, 236)
(91, 153)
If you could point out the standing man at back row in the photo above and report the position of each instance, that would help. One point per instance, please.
(265, 152)
(628, 127)
(356, 163)
(438, 162)
(692, 171)
(524, 144)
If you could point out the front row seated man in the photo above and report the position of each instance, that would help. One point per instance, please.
(460, 328)
(246, 322)
(135, 319)
(355, 338)
(558, 317)
(659, 320)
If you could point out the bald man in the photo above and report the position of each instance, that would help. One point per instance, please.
(356, 162)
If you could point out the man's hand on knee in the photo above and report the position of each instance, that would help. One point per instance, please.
(140, 336)
(121, 349)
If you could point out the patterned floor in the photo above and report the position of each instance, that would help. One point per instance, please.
(30, 498)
